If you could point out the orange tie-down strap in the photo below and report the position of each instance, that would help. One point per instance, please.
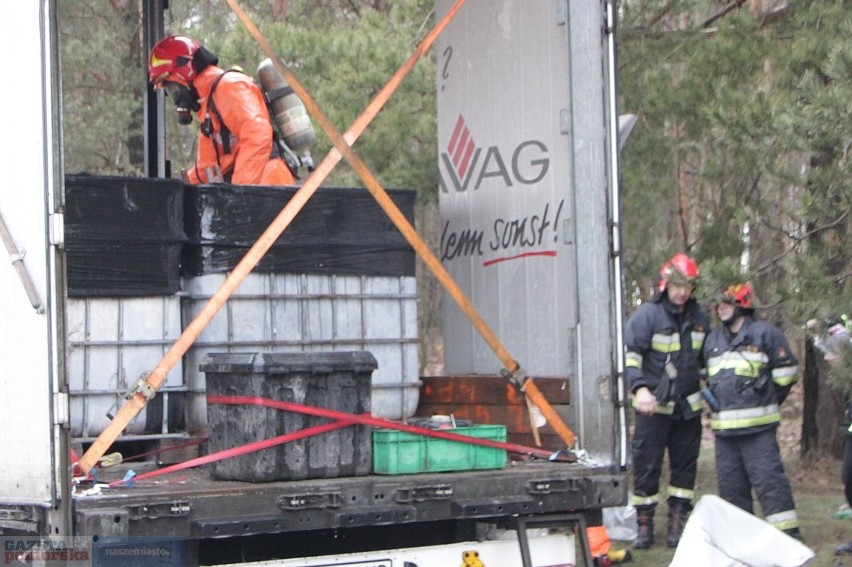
(146, 388)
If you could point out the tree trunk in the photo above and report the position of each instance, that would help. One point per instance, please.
(822, 417)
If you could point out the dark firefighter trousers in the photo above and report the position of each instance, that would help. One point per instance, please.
(753, 461)
(653, 435)
(846, 471)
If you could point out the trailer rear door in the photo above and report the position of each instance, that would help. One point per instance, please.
(27, 345)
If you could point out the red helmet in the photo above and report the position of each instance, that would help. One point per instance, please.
(681, 269)
(740, 294)
(172, 57)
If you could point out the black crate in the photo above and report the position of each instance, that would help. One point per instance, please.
(332, 380)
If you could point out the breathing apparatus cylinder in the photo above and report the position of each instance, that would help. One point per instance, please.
(288, 111)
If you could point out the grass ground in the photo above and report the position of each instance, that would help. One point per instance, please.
(817, 489)
(818, 493)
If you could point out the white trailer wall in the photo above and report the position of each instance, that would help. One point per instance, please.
(27, 470)
(523, 145)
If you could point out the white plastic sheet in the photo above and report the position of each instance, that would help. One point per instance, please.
(718, 534)
(621, 523)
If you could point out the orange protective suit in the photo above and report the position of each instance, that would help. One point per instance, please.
(599, 542)
(241, 106)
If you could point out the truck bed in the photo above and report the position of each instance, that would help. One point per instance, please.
(190, 505)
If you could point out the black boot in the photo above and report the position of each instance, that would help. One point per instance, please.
(794, 532)
(678, 513)
(645, 521)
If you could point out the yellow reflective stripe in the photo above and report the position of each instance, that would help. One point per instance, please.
(633, 359)
(741, 365)
(754, 357)
(684, 493)
(665, 343)
(664, 410)
(747, 417)
(697, 340)
(645, 500)
(785, 375)
(694, 401)
(784, 520)
(667, 409)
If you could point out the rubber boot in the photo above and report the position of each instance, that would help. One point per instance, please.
(678, 513)
(843, 549)
(645, 522)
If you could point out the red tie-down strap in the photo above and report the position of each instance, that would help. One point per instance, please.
(366, 419)
(241, 450)
(342, 419)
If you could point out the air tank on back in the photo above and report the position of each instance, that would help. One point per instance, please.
(288, 111)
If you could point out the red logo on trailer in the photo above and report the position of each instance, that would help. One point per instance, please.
(464, 163)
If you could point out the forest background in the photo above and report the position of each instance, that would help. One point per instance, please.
(740, 155)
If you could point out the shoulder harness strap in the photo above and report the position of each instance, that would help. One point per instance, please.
(211, 106)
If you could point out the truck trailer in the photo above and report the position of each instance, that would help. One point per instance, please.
(528, 134)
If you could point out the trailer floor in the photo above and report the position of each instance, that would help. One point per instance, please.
(189, 504)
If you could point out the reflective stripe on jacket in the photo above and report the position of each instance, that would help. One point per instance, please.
(657, 332)
(750, 373)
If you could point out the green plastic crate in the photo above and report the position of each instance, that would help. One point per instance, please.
(398, 452)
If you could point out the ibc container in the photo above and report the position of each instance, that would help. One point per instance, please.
(331, 380)
(112, 342)
(272, 313)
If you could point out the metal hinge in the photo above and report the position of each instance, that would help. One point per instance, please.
(173, 509)
(60, 408)
(304, 501)
(57, 229)
(423, 493)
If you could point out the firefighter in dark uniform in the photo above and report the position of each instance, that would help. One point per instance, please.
(750, 370)
(846, 474)
(664, 367)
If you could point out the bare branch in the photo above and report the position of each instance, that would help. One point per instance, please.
(841, 277)
(725, 11)
(812, 231)
(660, 15)
(797, 241)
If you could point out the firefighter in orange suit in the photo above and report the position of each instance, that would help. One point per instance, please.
(237, 142)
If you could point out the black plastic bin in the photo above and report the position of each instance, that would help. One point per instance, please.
(331, 380)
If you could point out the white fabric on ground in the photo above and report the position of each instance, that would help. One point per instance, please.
(718, 534)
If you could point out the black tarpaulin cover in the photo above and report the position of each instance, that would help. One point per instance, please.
(123, 235)
(339, 231)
